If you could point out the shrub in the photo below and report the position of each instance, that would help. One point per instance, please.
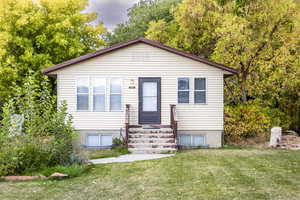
(20, 154)
(118, 142)
(119, 146)
(46, 137)
(247, 120)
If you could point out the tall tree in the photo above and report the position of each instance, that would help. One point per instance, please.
(192, 29)
(261, 40)
(139, 17)
(36, 34)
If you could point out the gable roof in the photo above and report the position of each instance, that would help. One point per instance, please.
(134, 41)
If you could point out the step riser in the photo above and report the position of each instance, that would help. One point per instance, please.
(152, 146)
(151, 132)
(151, 140)
(151, 136)
(158, 151)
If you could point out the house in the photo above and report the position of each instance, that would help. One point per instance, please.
(156, 97)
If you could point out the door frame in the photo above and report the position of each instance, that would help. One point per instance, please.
(140, 99)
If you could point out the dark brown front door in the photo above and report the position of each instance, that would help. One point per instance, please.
(149, 100)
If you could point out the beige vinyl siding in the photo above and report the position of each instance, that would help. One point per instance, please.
(142, 60)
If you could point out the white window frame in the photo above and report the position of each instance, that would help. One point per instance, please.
(92, 93)
(107, 93)
(99, 135)
(89, 94)
(194, 90)
(192, 138)
(189, 90)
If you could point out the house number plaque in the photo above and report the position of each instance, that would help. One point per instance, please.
(131, 84)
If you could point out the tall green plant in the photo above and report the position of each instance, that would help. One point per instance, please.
(47, 134)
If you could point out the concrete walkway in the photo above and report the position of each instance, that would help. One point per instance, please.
(129, 158)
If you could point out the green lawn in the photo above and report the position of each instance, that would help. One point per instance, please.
(200, 174)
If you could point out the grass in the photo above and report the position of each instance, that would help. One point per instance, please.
(223, 174)
(71, 170)
(106, 153)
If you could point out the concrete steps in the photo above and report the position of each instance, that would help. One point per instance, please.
(152, 150)
(152, 145)
(143, 135)
(152, 141)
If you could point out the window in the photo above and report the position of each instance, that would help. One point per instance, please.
(83, 94)
(191, 140)
(115, 94)
(200, 91)
(99, 87)
(93, 141)
(183, 90)
(185, 140)
(150, 96)
(98, 140)
(197, 140)
(106, 94)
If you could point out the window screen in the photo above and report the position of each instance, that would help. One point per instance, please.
(99, 88)
(183, 90)
(198, 140)
(115, 94)
(83, 94)
(93, 141)
(200, 90)
(191, 140)
(106, 140)
(99, 140)
(185, 140)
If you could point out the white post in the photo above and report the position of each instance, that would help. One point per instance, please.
(275, 138)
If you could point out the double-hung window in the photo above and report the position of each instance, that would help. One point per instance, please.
(200, 90)
(99, 88)
(99, 94)
(198, 86)
(83, 93)
(183, 90)
(115, 94)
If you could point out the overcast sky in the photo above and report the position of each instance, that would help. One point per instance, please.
(111, 12)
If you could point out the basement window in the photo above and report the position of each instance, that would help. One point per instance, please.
(191, 140)
(98, 141)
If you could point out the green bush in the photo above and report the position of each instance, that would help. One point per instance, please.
(119, 146)
(252, 120)
(118, 142)
(46, 138)
(20, 154)
(247, 120)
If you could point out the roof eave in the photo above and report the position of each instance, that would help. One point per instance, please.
(143, 40)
